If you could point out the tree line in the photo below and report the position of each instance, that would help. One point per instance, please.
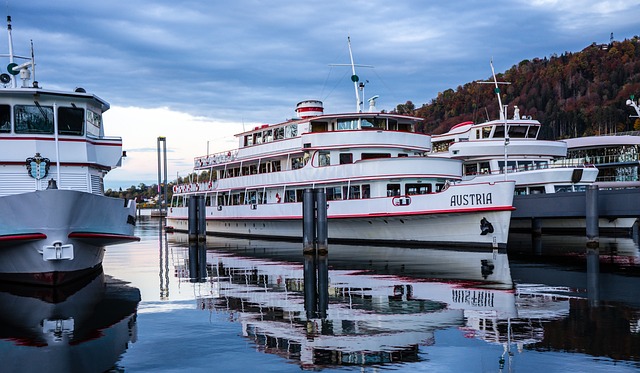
(572, 95)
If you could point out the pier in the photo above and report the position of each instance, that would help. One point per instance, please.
(609, 204)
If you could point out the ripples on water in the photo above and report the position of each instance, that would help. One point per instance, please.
(234, 305)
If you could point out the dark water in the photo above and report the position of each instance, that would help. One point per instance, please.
(163, 305)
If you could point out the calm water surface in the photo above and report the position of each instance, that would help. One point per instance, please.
(234, 305)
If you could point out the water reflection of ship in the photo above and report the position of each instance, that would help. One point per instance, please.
(378, 313)
(82, 327)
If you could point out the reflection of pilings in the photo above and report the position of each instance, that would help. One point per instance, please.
(323, 285)
(162, 183)
(164, 262)
(592, 215)
(197, 218)
(314, 221)
(593, 276)
(316, 286)
(310, 280)
(536, 226)
(197, 261)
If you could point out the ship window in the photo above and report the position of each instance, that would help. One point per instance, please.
(70, 121)
(248, 140)
(267, 135)
(5, 118)
(470, 169)
(354, 192)
(94, 123)
(511, 165)
(366, 191)
(347, 124)
(296, 162)
(536, 190)
(334, 193)
(33, 119)
(291, 131)
(393, 190)
(324, 158)
(412, 189)
(520, 191)
(290, 196)
(499, 132)
(533, 132)
(346, 158)
(278, 133)
(375, 155)
(518, 131)
(485, 168)
(486, 132)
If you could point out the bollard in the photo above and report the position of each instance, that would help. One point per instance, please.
(536, 227)
(202, 219)
(308, 221)
(197, 218)
(591, 215)
(322, 231)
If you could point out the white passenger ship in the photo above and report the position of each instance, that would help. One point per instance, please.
(55, 219)
(380, 185)
(484, 147)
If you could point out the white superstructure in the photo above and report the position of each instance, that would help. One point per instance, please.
(380, 185)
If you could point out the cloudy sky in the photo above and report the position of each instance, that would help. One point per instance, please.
(198, 72)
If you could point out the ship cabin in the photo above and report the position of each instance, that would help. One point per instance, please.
(493, 130)
(53, 139)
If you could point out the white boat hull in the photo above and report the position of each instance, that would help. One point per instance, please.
(451, 217)
(54, 236)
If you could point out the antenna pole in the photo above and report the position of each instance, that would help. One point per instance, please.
(10, 46)
(497, 91)
(503, 117)
(354, 77)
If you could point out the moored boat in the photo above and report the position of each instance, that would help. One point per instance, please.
(380, 185)
(55, 219)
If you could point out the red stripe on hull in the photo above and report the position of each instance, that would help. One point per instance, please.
(49, 278)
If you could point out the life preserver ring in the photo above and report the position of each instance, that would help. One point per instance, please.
(228, 154)
(175, 189)
(278, 199)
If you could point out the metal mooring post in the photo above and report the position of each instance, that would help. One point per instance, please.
(197, 218)
(592, 216)
(322, 228)
(308, 221)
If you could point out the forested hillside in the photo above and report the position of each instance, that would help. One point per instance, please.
(574, 94)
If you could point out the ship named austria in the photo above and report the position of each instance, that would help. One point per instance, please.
(55, 219)
(380, 185)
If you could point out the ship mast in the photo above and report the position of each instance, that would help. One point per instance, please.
(503, 113)
(354, 78)
(10, 46)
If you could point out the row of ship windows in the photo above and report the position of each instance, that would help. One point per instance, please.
(38, 119)
(333, 193)
(324, 159)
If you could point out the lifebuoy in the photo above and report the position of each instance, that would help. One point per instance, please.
(175, 189)
(278, 199)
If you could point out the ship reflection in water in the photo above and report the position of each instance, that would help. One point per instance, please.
(382, 305)
(84, 326)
